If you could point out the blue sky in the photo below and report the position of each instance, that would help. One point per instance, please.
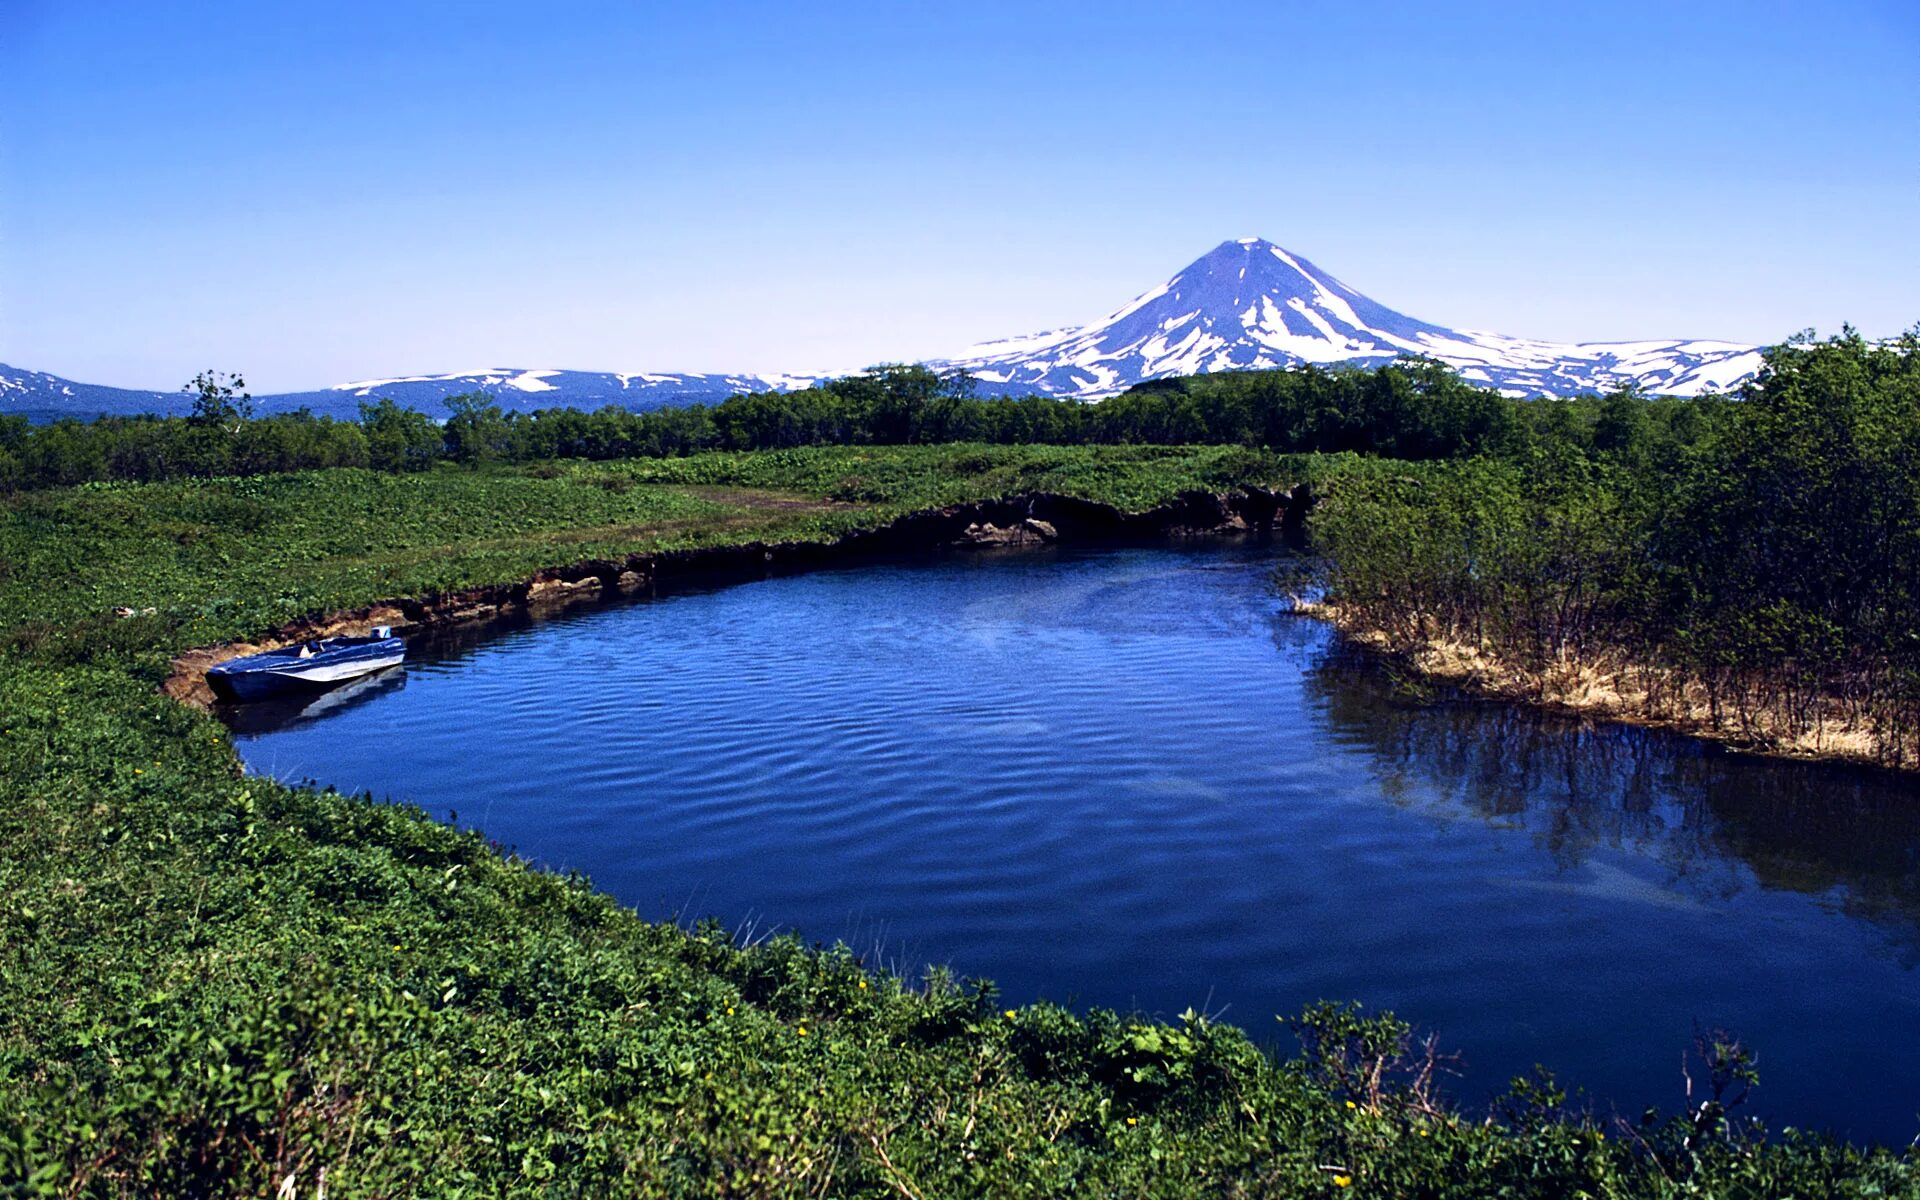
(316, 193)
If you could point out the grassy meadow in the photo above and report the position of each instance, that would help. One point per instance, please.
(217, 985)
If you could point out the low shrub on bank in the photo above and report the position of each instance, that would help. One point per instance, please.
(1762, 580)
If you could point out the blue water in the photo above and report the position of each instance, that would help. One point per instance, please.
(1128, 779)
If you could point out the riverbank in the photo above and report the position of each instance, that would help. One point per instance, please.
(1613, 689)
(1029, 519)
(213, 983)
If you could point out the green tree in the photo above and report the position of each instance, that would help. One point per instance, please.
(220, 400)
(476, 429)
(1624, 426)
(399, 439)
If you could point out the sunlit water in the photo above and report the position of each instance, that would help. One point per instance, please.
(1127, 779)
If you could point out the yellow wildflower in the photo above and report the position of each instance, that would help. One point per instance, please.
(1351, 1104)
(1133, 1121)
(1011, 1014)
(863, 985)
(1343, 1181)
(803, 1031)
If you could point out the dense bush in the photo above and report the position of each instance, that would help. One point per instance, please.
(1758, 559)
(145, 448)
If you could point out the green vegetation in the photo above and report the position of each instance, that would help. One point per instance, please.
(220, 559)
(1415, 410)
(212, 984)
(1751, 567)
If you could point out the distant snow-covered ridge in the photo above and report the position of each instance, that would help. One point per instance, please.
(1245, 305)
(612, 384)
(43, 396)
(521, 388)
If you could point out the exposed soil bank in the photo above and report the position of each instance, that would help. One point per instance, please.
(1023, 520)
(1628, 693)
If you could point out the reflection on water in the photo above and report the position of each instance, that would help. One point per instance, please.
(1126, 778)
(1715, 822)
(302, 708)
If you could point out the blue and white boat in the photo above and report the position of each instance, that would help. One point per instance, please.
(309, 666)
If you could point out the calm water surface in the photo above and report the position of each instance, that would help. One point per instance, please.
(1125, 778)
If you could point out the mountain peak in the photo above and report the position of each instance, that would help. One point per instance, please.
(1256, 265)
(1250, 248)
(1246, 250)
(1252, 304)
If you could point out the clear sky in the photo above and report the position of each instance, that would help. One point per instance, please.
(312, 193)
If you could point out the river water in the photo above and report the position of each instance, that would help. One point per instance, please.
(1127, 778)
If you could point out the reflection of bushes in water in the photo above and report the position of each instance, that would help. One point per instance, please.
(1579, 786)
(1809, 829)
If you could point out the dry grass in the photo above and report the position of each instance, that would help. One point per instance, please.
(1611, 688)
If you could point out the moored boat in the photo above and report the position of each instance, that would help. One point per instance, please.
(309, 666)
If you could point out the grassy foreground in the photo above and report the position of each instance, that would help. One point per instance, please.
(217, 985)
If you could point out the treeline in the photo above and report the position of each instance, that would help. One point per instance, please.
(1413, 409)
(1753, 565)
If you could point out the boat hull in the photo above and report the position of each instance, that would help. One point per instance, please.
(263, 676)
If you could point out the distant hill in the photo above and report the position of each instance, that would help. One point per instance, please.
(1245, 305)
(530, 389)
(43, 397)
(48, 397)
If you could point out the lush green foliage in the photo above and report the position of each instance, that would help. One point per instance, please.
(147, 448)
(213, 985)
(226, 558)
(1760, 558)
(398, 439)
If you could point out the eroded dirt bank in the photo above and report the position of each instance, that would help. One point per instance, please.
(1024, 520)
(1634, 694)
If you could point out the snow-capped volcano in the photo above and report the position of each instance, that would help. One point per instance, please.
(1250, 304)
